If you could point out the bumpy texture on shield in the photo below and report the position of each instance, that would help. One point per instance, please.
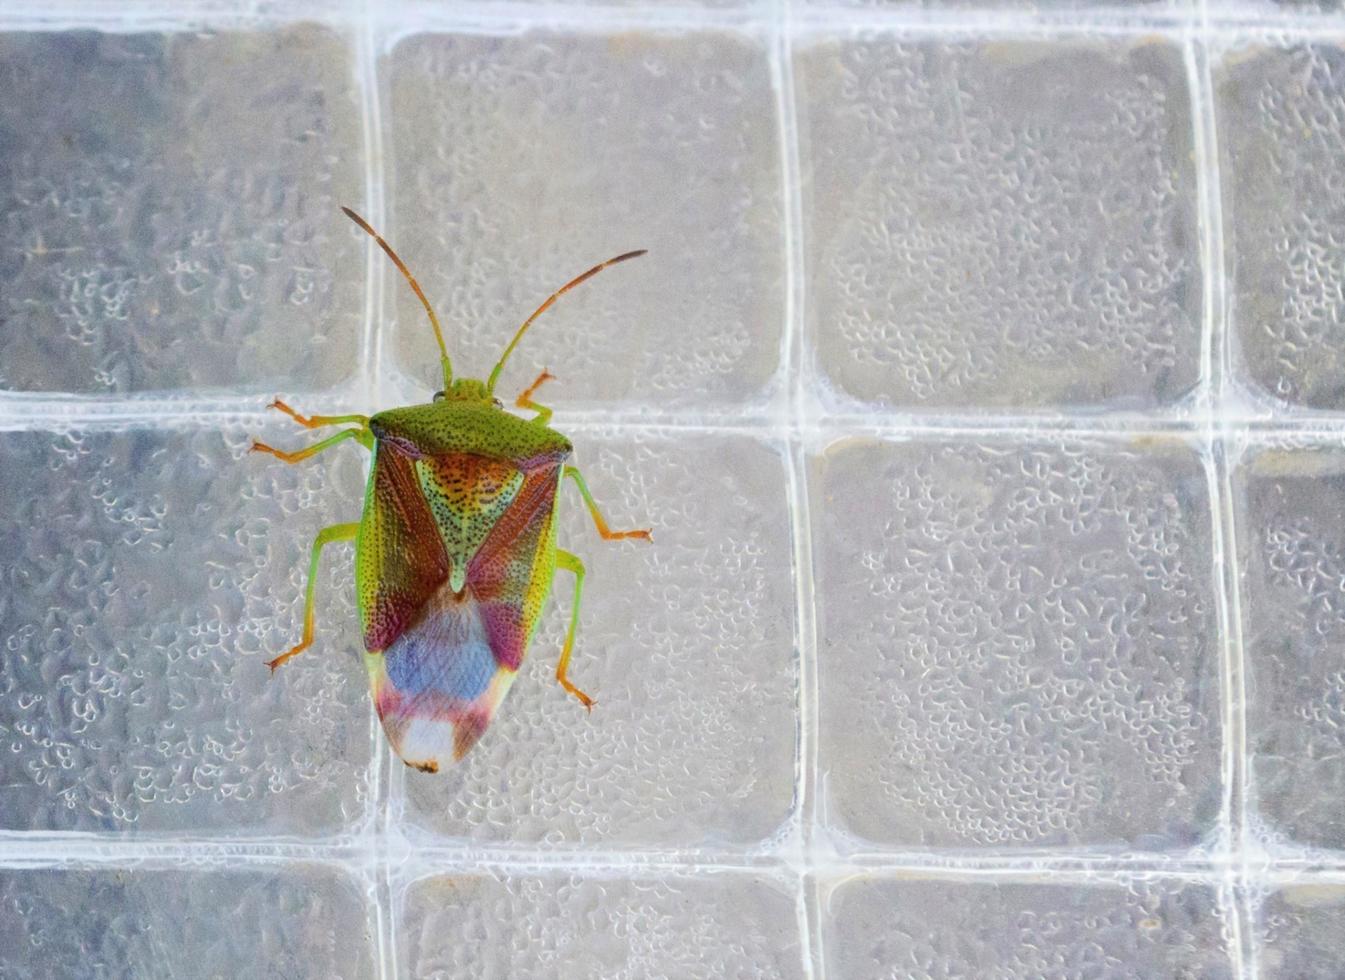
(401, 559)
(446, 636)
(467, 495)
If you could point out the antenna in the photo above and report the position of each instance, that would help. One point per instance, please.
(495, 374)
(434, 320)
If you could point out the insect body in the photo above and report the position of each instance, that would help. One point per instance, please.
(456, 548)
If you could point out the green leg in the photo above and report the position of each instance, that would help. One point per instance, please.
(571, 563)
(337, 532)
(525, 400)
(598, 520)
(364, 436)
(318, 421)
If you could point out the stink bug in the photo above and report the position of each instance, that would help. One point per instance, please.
(456, 549)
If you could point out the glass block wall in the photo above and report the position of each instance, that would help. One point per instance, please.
(983, 387)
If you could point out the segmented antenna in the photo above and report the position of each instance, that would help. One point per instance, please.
(444, 362)
(495, 374)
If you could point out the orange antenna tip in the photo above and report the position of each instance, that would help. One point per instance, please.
(495, 374)
(415, 287)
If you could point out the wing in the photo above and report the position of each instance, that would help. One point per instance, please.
(439, 684)
(400, 558)
(440, 671)
(510, 575)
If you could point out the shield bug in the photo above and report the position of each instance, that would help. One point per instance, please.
(455, 552)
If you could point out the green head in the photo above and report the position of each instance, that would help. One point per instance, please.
(465, 390)
(469, 389)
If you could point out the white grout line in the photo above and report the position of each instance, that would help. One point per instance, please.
(64, 412)
(808, 714)
(371, 375)
(782, 78)
(1233, 763)
(53, 849)
(30, 850)
(793, 355)
(375, 386)
(634, 865)
(364, 77)
(1211, 256)
(506, 17)
(953, 21)
(813, 922)
(165, 15)
(1205, 119)
(370, 371)
(375, 374)
(370, 124)
(1231, 685)
(385, 904)
(378, 215)
(1203, 150)
(1218, 432)
(503, 18)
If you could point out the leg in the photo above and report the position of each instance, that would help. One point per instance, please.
(525, 400)
(302, 454)
(571, 563)
(317, 421)
(337, 532)
(598, 521)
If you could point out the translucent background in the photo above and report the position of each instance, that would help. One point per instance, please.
(984, 385)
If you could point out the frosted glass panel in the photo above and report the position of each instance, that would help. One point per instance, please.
(982, 386)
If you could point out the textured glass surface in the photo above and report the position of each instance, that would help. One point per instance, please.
(167, 201)
(303, 921)
(1284, 111)
(982, 387)
(984, 229)
(522, 161)
(710, 926)
(148, 574)
(1300, 929)
(1017, 643)
(942, 928)
(1291, 508)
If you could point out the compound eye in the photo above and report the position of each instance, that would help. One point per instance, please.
(440, 396)
(498, 403)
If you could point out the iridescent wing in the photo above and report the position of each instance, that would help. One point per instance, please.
(447, 621)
